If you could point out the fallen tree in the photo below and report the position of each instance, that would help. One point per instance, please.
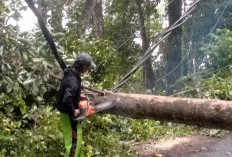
(206, 113)
(200, 112)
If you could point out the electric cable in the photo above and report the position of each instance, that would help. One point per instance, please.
(149, 51)
(123, 43)
(219, 18)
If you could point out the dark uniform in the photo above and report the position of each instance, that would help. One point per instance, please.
(68, 103)
(68, 99)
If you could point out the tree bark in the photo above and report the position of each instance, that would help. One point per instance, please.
(57, 16)
(148, 73)
(174, 45)
(93, 9)
(200, 112)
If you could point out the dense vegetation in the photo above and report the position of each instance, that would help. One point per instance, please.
(109, 30)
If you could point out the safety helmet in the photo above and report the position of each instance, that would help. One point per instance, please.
(84, 59)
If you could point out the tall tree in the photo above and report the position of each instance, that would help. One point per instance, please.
(148, 74)
(57, 15)
(173, 51)
(93, 10)
(120, 28)
(208, 17)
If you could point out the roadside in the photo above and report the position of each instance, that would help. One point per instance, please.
(187, 146)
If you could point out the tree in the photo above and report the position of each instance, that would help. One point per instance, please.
(173, 51)
(93, 11)
(208, 17)
(201, 112)
(57, 15)
(148, 74)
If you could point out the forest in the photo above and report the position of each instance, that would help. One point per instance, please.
(192, 60)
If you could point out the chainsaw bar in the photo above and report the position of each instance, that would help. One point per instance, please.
(97, 108)
(104, 106)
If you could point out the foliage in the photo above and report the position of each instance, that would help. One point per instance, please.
(218, 88)
(38, 133)
(104, 57)
(218, 50)
(102, 133)
(29, 126)
(218, 60)
(35, 134)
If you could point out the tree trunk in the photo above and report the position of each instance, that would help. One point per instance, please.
(200, 112)
(98, 18)
(57, 16)
(148, 74)
(174, 45)
(93, 10)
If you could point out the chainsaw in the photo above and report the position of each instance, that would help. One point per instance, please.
(87, 108)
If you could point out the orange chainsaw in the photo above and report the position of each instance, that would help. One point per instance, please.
(87, 108)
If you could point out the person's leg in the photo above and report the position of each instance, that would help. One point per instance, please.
(78, 140)
(67, 132)
(72, 132)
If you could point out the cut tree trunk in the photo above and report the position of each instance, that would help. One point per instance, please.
(200, 112)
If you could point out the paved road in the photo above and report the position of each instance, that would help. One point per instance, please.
(188, 146)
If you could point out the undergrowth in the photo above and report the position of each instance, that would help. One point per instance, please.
(38, 133)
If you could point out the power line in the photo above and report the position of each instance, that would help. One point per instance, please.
(172, 69)
(149, 51)
(170, 2)
(218, 20)
(186, 53)
(117, 49)
(124, 43)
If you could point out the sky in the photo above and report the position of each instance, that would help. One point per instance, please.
(28, 20)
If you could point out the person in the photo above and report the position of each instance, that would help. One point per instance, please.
(68, 103)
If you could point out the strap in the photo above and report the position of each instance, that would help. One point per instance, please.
(46, 33)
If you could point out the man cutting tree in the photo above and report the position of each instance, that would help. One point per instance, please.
(69, 96)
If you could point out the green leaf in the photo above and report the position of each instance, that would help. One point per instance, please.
(37, 60)
(29, 81)
(1, 51)
(22, 72)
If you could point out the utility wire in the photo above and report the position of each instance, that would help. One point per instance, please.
(151, 48)
(186, 55)
(218, 20)
(191, 89)
(123, 44)
(170, 2)
(116, 49)
(172, 69)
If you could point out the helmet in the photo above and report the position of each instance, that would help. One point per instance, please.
(85, 59)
